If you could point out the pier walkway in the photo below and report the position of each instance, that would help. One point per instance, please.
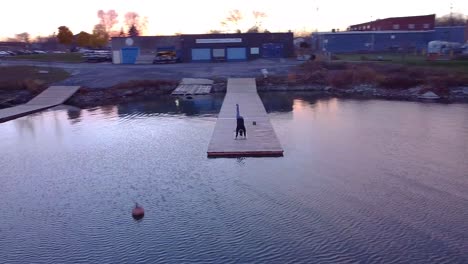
(52, 96)
(261, 138)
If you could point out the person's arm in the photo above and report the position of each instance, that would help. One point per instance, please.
(237, 110)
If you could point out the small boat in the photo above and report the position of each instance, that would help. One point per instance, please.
(429, 96)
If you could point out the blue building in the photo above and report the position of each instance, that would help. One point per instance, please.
(450, 34)
(382, 41)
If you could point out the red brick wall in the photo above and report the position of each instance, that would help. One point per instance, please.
(403, 22)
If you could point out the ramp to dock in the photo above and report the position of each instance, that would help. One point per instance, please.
(52, 96)
(261, 138)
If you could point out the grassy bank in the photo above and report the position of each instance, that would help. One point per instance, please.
(29, 77)
(52, 57)
(135, 90)
(344, 75)
(404, 59)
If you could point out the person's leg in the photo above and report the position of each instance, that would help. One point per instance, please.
(237, 131)
(245, 131)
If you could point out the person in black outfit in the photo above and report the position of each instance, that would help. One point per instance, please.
(240, 129)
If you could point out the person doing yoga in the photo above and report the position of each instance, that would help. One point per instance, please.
(240, 129)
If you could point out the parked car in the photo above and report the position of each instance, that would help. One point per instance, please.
(4, 53)
(24, 52)
(97, 55)
(165, 57)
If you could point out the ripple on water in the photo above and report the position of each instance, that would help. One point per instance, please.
(347, 190)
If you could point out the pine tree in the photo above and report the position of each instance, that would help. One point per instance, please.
(133, 31)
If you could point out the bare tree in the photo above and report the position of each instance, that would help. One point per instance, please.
(133, 19)
(259, 16)
(253, 29)
(23, 37)
(108, 19)
(455, 19)
(121, 33)
(214, 31)
(233, 19)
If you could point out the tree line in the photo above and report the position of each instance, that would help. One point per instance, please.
(454, 19)
(133, 25)
(233, 23)
(108, 26)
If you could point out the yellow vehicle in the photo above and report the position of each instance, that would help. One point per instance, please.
(165, 57)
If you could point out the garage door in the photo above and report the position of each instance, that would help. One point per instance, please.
(201, 54)
(272, 50)
(236, 54)
(129, 55)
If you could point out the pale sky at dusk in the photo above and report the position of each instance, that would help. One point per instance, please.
(188, 16)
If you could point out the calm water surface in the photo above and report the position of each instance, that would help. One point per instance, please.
(360, 182)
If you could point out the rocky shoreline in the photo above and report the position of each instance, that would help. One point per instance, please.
(337, 79)
(456, 94)
(90, 97)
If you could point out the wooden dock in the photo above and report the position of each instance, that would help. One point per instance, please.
(52, 96)
(261, 138)
(190, 86)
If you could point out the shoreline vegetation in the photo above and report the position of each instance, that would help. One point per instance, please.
(368, 80)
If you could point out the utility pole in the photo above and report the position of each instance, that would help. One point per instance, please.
(451, 14)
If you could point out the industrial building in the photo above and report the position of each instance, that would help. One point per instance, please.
(391, 34)
(397, 23)
(204, 47)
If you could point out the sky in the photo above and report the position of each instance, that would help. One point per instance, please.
(199, 16)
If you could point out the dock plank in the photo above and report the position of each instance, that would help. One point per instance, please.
(261, 138)
(193, 89)
(52, 96)
(191, 86)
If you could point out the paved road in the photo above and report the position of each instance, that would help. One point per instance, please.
(96, 75)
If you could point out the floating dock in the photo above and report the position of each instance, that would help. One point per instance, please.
(261, 137)
(190, 86)
(52, 96)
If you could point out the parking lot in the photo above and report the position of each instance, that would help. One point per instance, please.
(100, 75)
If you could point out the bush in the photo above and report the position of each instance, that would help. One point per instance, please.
(364, 75)
(398, 81)
(340, 79)
(34, 86)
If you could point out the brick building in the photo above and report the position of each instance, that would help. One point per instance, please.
(410, 23)
(205, 47)
(390, 34)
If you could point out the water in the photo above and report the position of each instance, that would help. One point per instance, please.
(361, 181)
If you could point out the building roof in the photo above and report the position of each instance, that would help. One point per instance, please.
(374, 32)
(432, 17)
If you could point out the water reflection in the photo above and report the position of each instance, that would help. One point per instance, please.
(351, 188)
(199, 105)
(288, 102)
(74, 115)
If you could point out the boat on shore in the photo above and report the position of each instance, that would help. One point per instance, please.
(429, 96)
